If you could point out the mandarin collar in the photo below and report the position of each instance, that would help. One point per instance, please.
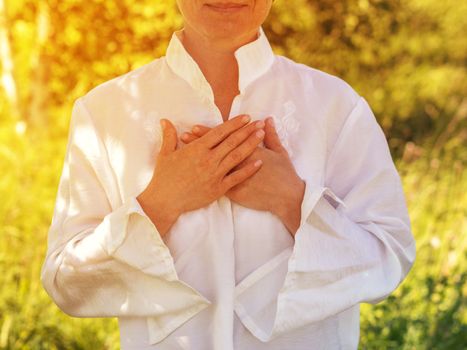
(254, 59)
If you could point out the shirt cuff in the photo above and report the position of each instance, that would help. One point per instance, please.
(312, 196)
(312, 201)
(266, 318)
(129, 235)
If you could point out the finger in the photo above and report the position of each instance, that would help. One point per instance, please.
(271, 138)
(217, 134)
(188, 137)
(240, 175)
(200, 130)
(240, 153)
(169, 137)
(236, 139)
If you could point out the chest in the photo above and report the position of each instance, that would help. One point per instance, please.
(224, 95)
(134, 145)
(224, 103)
(133, 149)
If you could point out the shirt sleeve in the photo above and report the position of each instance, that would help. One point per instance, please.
(354, 243)
(105, 261)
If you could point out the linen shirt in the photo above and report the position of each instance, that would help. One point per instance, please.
(227, 276)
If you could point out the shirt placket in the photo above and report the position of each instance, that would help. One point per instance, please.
(223, 242)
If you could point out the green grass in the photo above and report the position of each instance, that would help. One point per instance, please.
(425, 312)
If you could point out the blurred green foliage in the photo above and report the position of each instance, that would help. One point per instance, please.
(407, 58)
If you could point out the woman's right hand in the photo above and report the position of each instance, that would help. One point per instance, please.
(194, 176)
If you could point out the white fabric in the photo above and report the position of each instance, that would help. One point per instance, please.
(226, 276)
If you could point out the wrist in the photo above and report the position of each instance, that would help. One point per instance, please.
(289, 210)
(161, 215)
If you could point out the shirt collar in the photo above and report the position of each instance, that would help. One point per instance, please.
(254, 59)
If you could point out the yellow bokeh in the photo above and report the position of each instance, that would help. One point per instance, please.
(407, 58)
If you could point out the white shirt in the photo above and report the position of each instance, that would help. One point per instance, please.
(227, 277)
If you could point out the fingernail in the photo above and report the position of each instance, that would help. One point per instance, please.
(196, 129)
(246, 119)
(271, 121)
(259, 133)
(259, 124)
(258, 162)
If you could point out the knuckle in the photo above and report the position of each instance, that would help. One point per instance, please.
(258, 134)
(236, 157)
(229, 181)
(218, 133)
(253, 127)
(219, 172)
(238, 177)
(231, 142)
(254, 140)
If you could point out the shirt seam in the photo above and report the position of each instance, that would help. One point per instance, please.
(341, 131)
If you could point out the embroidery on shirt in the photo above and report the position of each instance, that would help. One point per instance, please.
(151, 126)
(286, 123)
(287, 126)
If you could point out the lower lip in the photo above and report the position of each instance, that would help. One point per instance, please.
(230, 9)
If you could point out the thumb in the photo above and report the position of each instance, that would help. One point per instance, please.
(169, 137)
(271, 139)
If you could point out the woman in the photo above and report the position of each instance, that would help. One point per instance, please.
(196, 244)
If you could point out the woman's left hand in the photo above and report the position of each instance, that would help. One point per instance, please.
(276, 187)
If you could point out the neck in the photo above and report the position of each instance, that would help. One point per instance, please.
(215, 57)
